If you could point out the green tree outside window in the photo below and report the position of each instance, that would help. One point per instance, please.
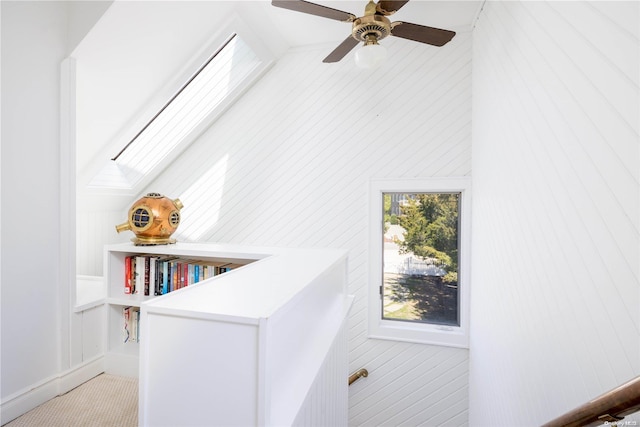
(430, 228)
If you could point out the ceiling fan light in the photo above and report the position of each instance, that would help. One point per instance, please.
(371, 56)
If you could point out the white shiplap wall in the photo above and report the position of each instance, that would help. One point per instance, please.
(326, 401)
(556, 291)
(289, 165)
(94, 229)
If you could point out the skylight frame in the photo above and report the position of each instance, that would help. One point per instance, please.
(177, 94)
(108, 177)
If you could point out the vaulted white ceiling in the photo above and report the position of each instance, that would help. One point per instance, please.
(139, 52)
(301, 29)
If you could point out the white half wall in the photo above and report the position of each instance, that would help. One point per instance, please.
(556, 291)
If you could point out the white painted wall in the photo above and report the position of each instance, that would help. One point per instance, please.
(39, 333)
(82, 18)
(33, 44)
(290, 164)
(556, 295)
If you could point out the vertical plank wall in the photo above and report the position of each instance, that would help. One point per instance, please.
(326, 403)
(289, 165)
(555, 295)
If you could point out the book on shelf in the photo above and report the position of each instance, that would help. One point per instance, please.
(127, 275)
(131, 326)
(147, 274)
(126, 331)
(160, 274)
(138, 284)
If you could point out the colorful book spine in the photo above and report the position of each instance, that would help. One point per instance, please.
(127, 275)
(184, 279)
(157, 276)
(147, 272)
(126, 332)
(138, 286)
(165, 277)
(177, 267)
(136, 326)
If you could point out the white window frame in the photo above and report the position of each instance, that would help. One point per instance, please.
(417, 332)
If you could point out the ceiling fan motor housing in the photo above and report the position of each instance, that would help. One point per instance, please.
(377, 26)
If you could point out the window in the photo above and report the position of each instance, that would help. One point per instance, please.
(419, 260)
(228, 70)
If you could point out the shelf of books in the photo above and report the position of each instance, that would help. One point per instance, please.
(136, 274)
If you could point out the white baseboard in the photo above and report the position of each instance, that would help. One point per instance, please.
(22, 402)
(81, 374)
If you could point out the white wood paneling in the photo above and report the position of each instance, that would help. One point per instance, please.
(94, 229)
(326, 402)
(289, 165)
(556, 291)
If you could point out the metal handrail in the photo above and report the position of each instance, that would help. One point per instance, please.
(611, 406)
(360, 373)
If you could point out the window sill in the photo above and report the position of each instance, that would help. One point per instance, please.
(443, 335)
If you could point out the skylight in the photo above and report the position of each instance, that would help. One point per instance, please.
(222, 75)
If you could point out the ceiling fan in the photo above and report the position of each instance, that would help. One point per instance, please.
(372, 27)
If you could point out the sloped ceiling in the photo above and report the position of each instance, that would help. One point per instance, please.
(138, 48)
(300, 29)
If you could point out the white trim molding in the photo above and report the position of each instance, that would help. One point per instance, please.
(426, 333)
(23, 401)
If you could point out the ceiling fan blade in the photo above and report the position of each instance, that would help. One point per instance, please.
(345, 47)
(314, 9)
(389, 7)
(421, 33)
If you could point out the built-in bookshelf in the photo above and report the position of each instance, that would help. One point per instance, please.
(138, 274)
(260, 340)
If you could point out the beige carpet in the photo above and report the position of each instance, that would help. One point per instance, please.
(106, 400)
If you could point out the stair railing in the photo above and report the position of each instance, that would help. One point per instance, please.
(360, 373)
(610, 407)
